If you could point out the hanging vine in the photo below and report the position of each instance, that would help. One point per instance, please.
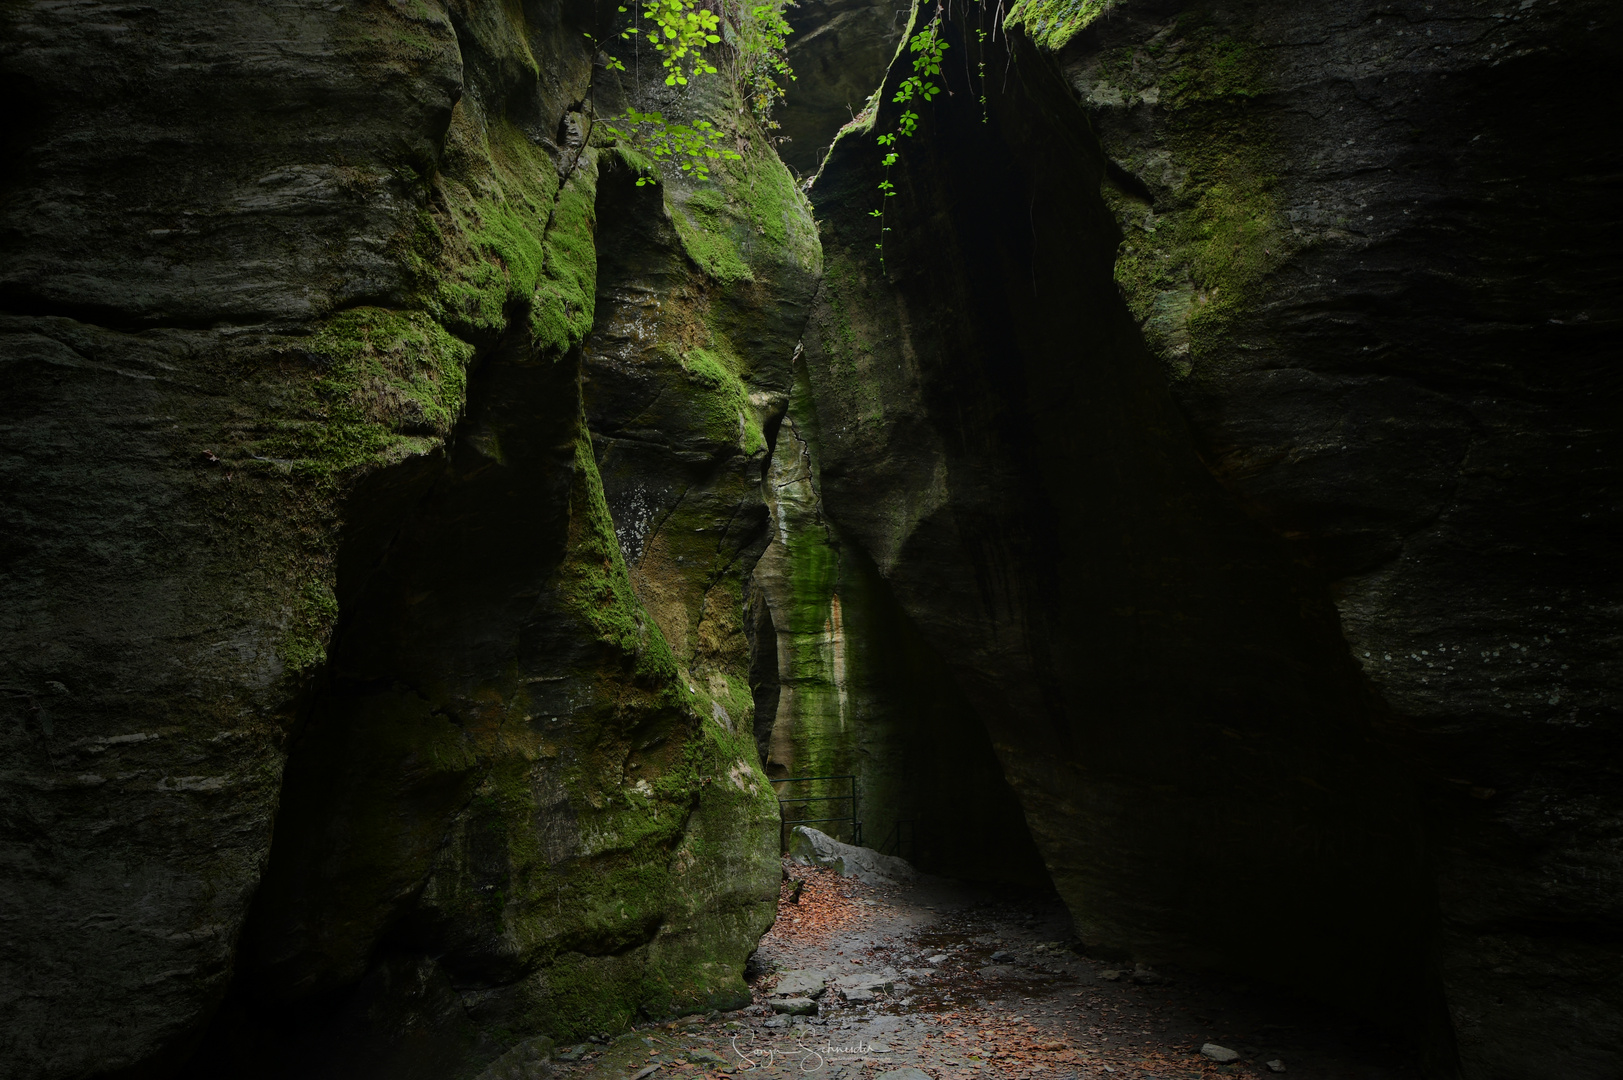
(926, 48)
(683, 34)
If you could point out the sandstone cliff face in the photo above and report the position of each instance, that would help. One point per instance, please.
(416, 530)
(861, 694)
(1286, 607)
(338, 670)
(1147, 661)
(1384, 298)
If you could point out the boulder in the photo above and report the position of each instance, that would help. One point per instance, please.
(528, 1060)
(812, 848)
(1005, 971)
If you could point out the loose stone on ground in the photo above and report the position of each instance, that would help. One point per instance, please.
(871, 1005)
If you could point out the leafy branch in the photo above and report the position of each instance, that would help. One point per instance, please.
(763, 58)
(691, 146)
(926, 47)
(680, 28)
(682, 32)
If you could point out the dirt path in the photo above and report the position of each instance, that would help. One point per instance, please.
(983, 984)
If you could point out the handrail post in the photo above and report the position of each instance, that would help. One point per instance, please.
(854, 818)
(856, 826)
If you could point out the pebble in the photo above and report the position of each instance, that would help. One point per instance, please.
(795, 1006)
(1276, 1065)
(1221, 1054)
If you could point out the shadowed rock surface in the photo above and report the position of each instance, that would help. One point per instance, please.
(1381, 270)
(1202, 723)
(1339, 533)
(839, 50)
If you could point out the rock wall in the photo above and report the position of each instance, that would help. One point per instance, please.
(1276, 586)
(839, 51)
(862, 694)
(418, 533)
(1381, 293)
(354, 707)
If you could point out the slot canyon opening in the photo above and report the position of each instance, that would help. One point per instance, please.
(426, 783)
(415, 796)
(860, 694)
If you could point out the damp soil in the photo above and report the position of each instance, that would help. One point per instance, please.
(985, 982)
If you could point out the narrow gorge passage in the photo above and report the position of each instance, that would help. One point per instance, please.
(474, 474)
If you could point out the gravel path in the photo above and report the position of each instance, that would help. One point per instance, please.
(983, 983)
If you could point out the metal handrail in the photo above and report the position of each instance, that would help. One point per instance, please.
(783, 822)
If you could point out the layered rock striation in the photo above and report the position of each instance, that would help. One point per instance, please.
(360, 719)
(1375, 249)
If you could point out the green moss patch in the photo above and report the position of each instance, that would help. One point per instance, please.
(1200, 258)
(729, 416)
(1052, 23)
(386, 384)
(305, 643)
(704, 228)
(507, 238)
(596, 585)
